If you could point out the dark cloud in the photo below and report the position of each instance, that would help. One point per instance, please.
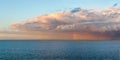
(114, 5)
(76, 10)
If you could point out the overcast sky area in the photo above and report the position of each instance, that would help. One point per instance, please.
(60, 19)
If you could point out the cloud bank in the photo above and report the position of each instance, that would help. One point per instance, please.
(97, 23)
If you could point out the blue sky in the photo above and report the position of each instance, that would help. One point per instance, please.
(12, 11)
(65, 25)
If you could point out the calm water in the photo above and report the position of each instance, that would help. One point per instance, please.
(59, 50)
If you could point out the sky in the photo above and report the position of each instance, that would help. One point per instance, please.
(59, 19)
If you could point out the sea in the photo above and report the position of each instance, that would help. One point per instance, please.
(59, 50)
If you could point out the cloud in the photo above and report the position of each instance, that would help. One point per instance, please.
(104, 22)
(76, 10)
(115, 4)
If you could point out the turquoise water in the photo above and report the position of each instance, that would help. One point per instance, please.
(59, 50)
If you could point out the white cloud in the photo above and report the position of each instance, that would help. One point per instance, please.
(78, 19)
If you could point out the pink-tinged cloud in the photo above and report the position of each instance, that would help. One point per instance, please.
(95, 23)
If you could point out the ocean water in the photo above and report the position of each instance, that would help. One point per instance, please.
(59, 50)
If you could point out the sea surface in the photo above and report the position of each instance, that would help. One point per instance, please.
(59, 50)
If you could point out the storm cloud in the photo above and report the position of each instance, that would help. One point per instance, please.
(103, 22)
